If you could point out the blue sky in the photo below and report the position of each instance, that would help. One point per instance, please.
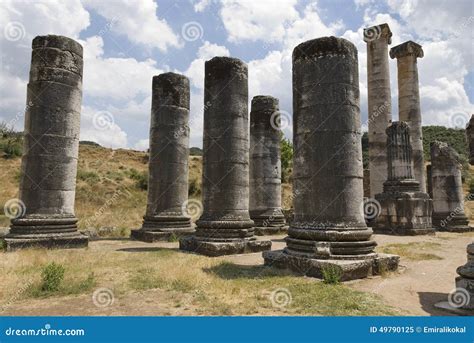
(126, 43)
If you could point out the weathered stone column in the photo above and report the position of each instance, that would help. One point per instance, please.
(225, 226)
(265, 167)
(379, 102)
(51, 147)
(429, 184)
(461, 299)
(328, 229)
(470, 139)
(405, 210)
(409, 101)
(168, 164)
(448, 196)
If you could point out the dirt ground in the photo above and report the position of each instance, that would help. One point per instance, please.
(413, 290)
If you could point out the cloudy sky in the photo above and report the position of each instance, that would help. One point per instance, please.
(127, 42)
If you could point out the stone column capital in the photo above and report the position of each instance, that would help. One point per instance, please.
(377, 32)
(408, 48)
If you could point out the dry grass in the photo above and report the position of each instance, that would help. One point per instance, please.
(414, 251)
(107, 194)
(211, 286)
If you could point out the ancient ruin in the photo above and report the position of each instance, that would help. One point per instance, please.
(448, 196)
(51, 146)
(379, 102)
(405, 209)
(265, 167)
(328, 230)
(225, 226)
(470, 139)
(168, 162)
(409, 102)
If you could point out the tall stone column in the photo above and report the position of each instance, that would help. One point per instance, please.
(379, 102)
(225, 226)
(51, 147)
(470, 139)
(329, 228)
(409, 101)
(404, 209)
(448, 196)
(265, 167)
(168, 164)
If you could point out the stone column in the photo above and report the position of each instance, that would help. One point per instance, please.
(465, 280)
(404, 209)
(265, 167)
(429, 184)
(329, 228)
(470, 139)
(448, 196)
(461, 299)
(379, 102)
(409, 101)
(168, 163)
(51, 147)
(225, 226)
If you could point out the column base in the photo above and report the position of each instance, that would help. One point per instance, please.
(461, 302)
(349, 269)
(49, 241)
(271, 230)
(163, 228)
(150, 236)
(40, 231)
(213, 248)
(404, 213)
(449, 223)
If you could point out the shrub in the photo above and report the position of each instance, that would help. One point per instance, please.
(88, 176)
(331, 274)
(193, 188)
(52, 276)
(12, 148)
(286, 148)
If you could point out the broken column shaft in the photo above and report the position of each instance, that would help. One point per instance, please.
(168, 162)
(265, 167)
(51, 147)
(225, 226)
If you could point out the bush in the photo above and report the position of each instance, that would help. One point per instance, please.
(193, 188)
(286, 158)
(331, 274)
(52, 276)
(88, 176)
(12, 148)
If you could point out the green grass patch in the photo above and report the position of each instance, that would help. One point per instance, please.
(415, 251)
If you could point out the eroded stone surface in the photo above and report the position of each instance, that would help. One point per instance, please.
(470, 139)
(448, 195)
(168, 163)
(379, 102)
(409, 101)
(404, 209)
(51, 145)
(265, 167)
(225, 224)
(328, 223)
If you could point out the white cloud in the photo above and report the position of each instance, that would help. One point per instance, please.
(138, 21)
(201, 5)
(257, 20)
(142, 145)
(109, 135)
